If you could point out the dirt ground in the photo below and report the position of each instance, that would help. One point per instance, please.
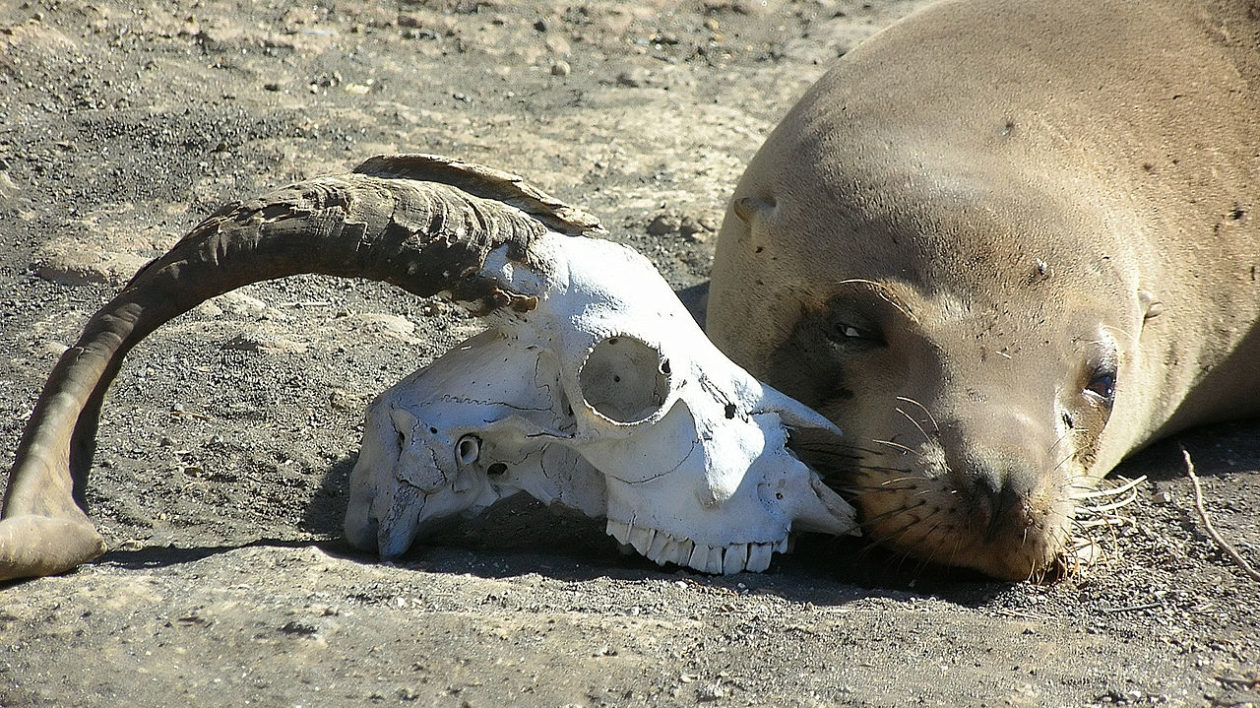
(227, 440)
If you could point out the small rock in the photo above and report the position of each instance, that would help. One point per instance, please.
(710, 692)
(559, 45)
(343, 400)
(50, 349)
(694, 229)
(665, 223)
(271, 86)
(561, 68)
(399, 328)
(300, 628)
(633, 78)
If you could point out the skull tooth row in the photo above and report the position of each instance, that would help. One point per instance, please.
(661, 547)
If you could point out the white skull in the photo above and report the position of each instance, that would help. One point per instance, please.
(606, 398)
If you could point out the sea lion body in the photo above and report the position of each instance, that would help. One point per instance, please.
(1003, 244)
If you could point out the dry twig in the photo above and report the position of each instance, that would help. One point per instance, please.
(1207, 523)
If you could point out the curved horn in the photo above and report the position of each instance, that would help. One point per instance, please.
(423, 223)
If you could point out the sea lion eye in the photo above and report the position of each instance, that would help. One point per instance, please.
(1103, 385)
(844, 333)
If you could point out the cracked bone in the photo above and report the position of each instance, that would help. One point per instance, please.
(593, 389)
(606, 398)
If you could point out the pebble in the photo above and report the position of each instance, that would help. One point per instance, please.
(695, 230)
(710, 692)
(662, 224)
(561, 68)
(633, 78)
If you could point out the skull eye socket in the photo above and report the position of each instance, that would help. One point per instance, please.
(624, 379)
(468, 449)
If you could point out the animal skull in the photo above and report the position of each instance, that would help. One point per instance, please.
(606, 398)
(593, 389)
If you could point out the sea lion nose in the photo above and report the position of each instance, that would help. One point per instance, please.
(997, 494)
(995, 467)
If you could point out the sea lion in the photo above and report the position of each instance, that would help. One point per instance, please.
(1003, 244)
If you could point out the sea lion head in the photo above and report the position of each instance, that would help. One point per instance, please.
(969, 325)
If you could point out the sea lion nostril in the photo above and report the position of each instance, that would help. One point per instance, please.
(994, 486)
(1008, 512)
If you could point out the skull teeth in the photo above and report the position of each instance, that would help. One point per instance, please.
(641, 538)
(619, 530)
(759, 556)
(661, 547)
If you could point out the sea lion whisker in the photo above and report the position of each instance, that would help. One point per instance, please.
(833, 448)
(885, 294)
(896, 446)
(831, 454)
(1104, 508)
(817, 444)
(882, 468)
(1084, 515)
(1066, 436)
(1111, 521)
(935, 426)
(822, 447)
(1119, 330)
(1096, 492)
(1070, 558)
(894, 536)
(890, 514)
(865, 489)
(940, 540)
(926, 438)
(898, 480)
(1062, 461)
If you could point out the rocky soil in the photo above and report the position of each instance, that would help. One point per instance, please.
(227, 440)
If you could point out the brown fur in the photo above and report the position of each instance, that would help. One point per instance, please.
(997, 200)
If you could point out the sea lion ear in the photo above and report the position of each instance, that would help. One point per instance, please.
(1151, 307)
(748, 209)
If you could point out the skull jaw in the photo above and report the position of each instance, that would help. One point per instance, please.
(726, 533)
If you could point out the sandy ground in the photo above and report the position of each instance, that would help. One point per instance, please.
(227, 440)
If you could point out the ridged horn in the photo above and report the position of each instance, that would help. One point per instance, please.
(421, 222)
